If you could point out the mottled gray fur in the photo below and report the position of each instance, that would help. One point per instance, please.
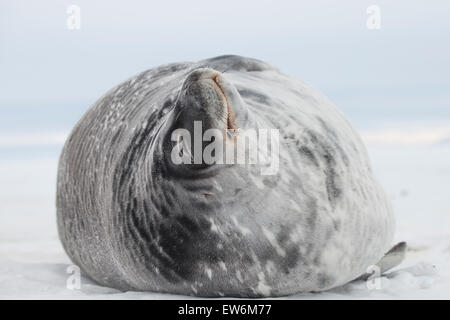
(133, 221)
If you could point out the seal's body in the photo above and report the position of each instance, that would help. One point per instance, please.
(133, 220)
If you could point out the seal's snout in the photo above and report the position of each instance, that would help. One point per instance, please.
(202, 98)
(208, 106)
(209, 97)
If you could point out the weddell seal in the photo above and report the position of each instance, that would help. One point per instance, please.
(133, 216)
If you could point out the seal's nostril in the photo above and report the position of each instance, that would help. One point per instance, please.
(202, 74)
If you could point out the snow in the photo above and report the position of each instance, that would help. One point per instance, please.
(34, 265)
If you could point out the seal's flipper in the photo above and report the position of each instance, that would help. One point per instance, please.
(393, 257)
(390, 260)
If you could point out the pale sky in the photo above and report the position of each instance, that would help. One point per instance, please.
(402, 68)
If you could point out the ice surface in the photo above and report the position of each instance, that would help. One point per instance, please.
(34, 265)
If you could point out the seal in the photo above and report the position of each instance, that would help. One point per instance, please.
(132, 218)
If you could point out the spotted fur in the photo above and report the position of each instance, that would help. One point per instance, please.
(133, 222)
